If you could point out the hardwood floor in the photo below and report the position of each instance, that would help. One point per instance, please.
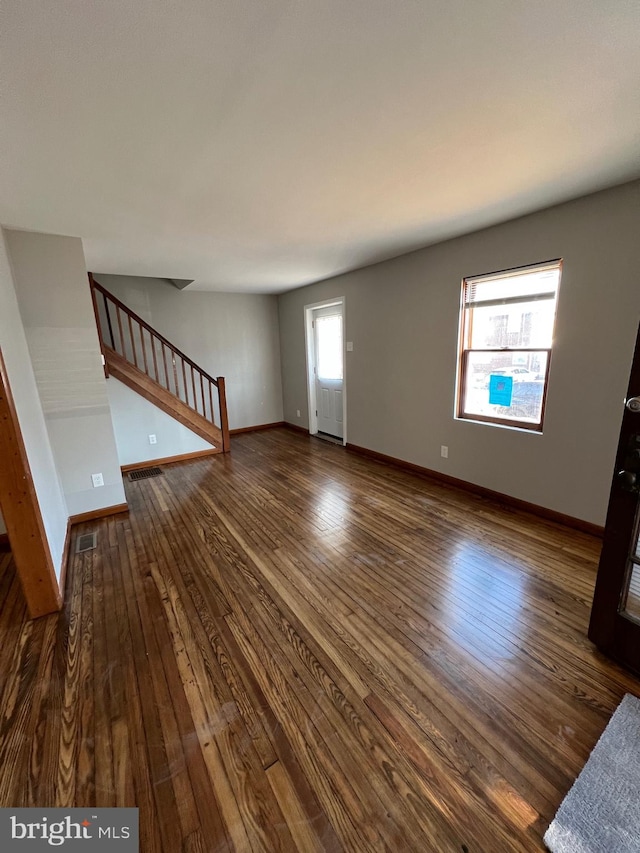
(295, 648)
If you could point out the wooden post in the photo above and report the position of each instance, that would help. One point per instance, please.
(224, 420)
(98, 326)
(21, 512)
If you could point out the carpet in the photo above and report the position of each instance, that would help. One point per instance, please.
(601, 812)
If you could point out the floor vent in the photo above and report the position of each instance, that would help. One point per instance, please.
(143, 473)
(86, 542)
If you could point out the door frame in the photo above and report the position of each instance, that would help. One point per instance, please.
(310, 351)
(21, 512)
(615, 634)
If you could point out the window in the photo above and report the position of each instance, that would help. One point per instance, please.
(329, 346)
(506, 333)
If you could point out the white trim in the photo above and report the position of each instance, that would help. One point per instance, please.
(309, 348)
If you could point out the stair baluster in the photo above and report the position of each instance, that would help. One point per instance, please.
(138, 366)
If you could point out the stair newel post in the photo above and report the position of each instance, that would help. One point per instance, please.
(96, 314)
(224, 421)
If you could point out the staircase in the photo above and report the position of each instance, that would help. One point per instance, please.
(149, 364)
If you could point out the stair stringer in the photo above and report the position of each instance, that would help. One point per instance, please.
(144, 385)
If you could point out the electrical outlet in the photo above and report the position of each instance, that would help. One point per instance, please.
(297, 413)
(153, 439)
(97, 480)
(444, 451)
(349, 346)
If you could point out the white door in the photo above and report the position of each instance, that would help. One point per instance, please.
(329, 368)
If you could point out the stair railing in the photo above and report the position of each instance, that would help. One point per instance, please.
(123, 331)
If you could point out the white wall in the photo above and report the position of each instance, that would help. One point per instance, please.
(402, 316)
(29, 410)
(55, 304)
(227, 334)
(135, 418)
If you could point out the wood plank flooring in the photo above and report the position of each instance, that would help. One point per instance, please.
(293, 648)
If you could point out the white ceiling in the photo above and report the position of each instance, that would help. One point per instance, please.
(256, 145)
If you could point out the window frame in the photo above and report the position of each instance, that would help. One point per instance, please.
(464, 340)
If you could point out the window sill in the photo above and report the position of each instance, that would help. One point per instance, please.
(512, 427)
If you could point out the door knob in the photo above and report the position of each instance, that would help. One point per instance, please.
(629, 481)
(633, 404)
